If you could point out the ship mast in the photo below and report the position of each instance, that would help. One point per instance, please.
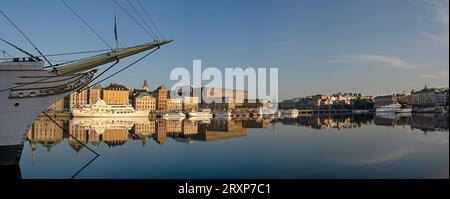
(113, 55)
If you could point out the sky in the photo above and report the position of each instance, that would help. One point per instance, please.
(373, 47)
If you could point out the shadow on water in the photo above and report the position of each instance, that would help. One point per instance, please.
(10, 172)
(78, 132)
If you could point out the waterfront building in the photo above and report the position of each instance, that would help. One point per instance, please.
(115, 94)
(174, 126)
(77, 134)
(319, 101)
(220, 105)
(441, 98)
(190, 127)
(161, 96)
(252, 104)
(424, 98)
(345, 98)
(174, 105)
(115, 136)
(290, 103)
(94, 94)
(161, 132)
(385, 100)
(208, 93)
(190, 103)
(144, 101)
(144, 128)
(218, 130)
(78, 99)
(46, 131)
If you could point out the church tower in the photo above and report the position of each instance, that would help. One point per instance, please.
(145, 86)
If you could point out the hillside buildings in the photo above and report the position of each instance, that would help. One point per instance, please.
(392, 99)
(430, 97)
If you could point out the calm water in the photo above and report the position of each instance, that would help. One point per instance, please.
(359, 146)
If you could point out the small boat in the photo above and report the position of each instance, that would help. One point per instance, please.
(205, 113)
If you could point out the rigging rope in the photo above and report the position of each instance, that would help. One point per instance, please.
(70, 134)
(103, 72)
(76, 139)
(138, 60)
(139, 15)
(85, 23)
(134, 19)
(23, 34)
(151, 20)
(21, 50)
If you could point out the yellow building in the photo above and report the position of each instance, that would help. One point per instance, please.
(46, 130)
(174, 126)
(115, 94)
(190, 103)
(144, 101)
(174, 105)
(144, 128)
(190, 127)
(113, 137)
(94, 94)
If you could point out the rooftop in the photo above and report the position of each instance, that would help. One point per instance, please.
(116, 87)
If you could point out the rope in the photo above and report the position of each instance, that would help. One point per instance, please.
(23, 34)
(21, 50)
(85, 23)
(69, 53)
(134, 19)
(84, 87)
(139, 15)
(70, 134)
(148, 16)
(138, 60)
(87, 164)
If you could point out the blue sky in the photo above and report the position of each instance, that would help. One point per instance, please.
(320, 46)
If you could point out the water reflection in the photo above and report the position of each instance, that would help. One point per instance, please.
(115, 132)
(250, 137)
(424, 122)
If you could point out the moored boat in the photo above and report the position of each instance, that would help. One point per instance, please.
(101, 109)
(205, 113)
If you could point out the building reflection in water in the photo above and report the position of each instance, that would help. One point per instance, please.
(115, 132)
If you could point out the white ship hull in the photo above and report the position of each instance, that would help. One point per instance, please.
(27, 88)
(22, 100)
(78, 113)
(203, 114)
(174, 116)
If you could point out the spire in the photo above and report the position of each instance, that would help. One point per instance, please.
(145, 86)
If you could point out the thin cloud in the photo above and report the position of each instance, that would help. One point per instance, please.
(391, 156)
(391, 61)
(441, 18)
(440, 75)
